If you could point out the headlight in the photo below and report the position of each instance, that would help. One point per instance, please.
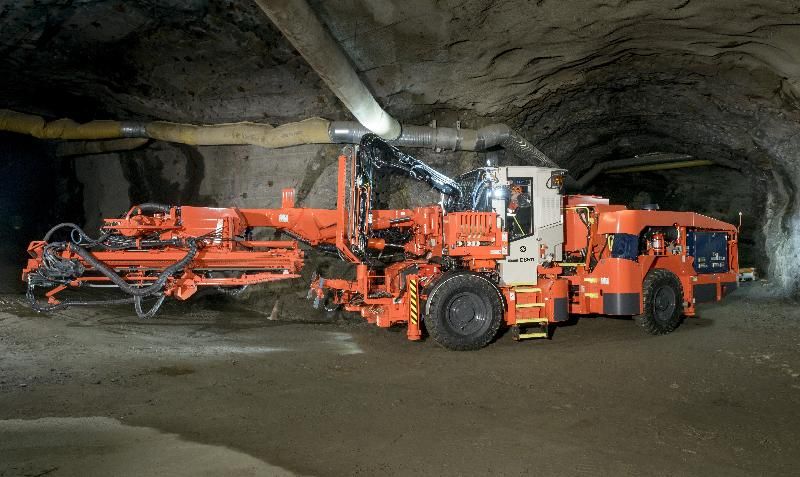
(501, 193)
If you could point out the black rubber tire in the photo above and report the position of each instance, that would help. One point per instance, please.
(464, 311)
(662, 302)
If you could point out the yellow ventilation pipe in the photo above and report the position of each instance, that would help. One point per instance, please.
(310, 131)
(36, 126)
(661, 167)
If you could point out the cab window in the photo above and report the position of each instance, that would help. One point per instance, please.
(519, 213)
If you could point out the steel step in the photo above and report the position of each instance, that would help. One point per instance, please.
(530, 305)
(518, 335)
(532, 321)
(528, 336)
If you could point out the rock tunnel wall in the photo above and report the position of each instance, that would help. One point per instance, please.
(36, 192)
(217, 176)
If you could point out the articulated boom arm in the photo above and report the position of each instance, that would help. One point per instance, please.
(157, 251)
(170, 252)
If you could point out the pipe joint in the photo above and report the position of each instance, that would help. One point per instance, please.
(133, 129)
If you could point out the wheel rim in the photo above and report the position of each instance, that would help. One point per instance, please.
(467, 314)
(664, 303)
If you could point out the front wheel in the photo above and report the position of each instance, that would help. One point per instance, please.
(663, 302)
(464, 312)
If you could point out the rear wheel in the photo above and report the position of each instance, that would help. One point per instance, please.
(663, 302)
(464, 312)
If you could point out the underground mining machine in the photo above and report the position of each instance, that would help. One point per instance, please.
(504, 247)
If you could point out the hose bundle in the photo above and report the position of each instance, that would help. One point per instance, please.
(375, 152)
(56, 270)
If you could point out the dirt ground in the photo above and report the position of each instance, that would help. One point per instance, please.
(222, 391)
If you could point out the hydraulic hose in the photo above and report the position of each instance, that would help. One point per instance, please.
(137, 302)
(60, 226)
(156, 286)
(137, 305)
(153, 207)
(83, 237)
(137, 294)
(38, 307)
(55, 269)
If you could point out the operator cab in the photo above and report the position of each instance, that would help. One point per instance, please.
(527, 201)
(519, 208)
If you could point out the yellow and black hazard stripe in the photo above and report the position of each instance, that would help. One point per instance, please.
(413, 302)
